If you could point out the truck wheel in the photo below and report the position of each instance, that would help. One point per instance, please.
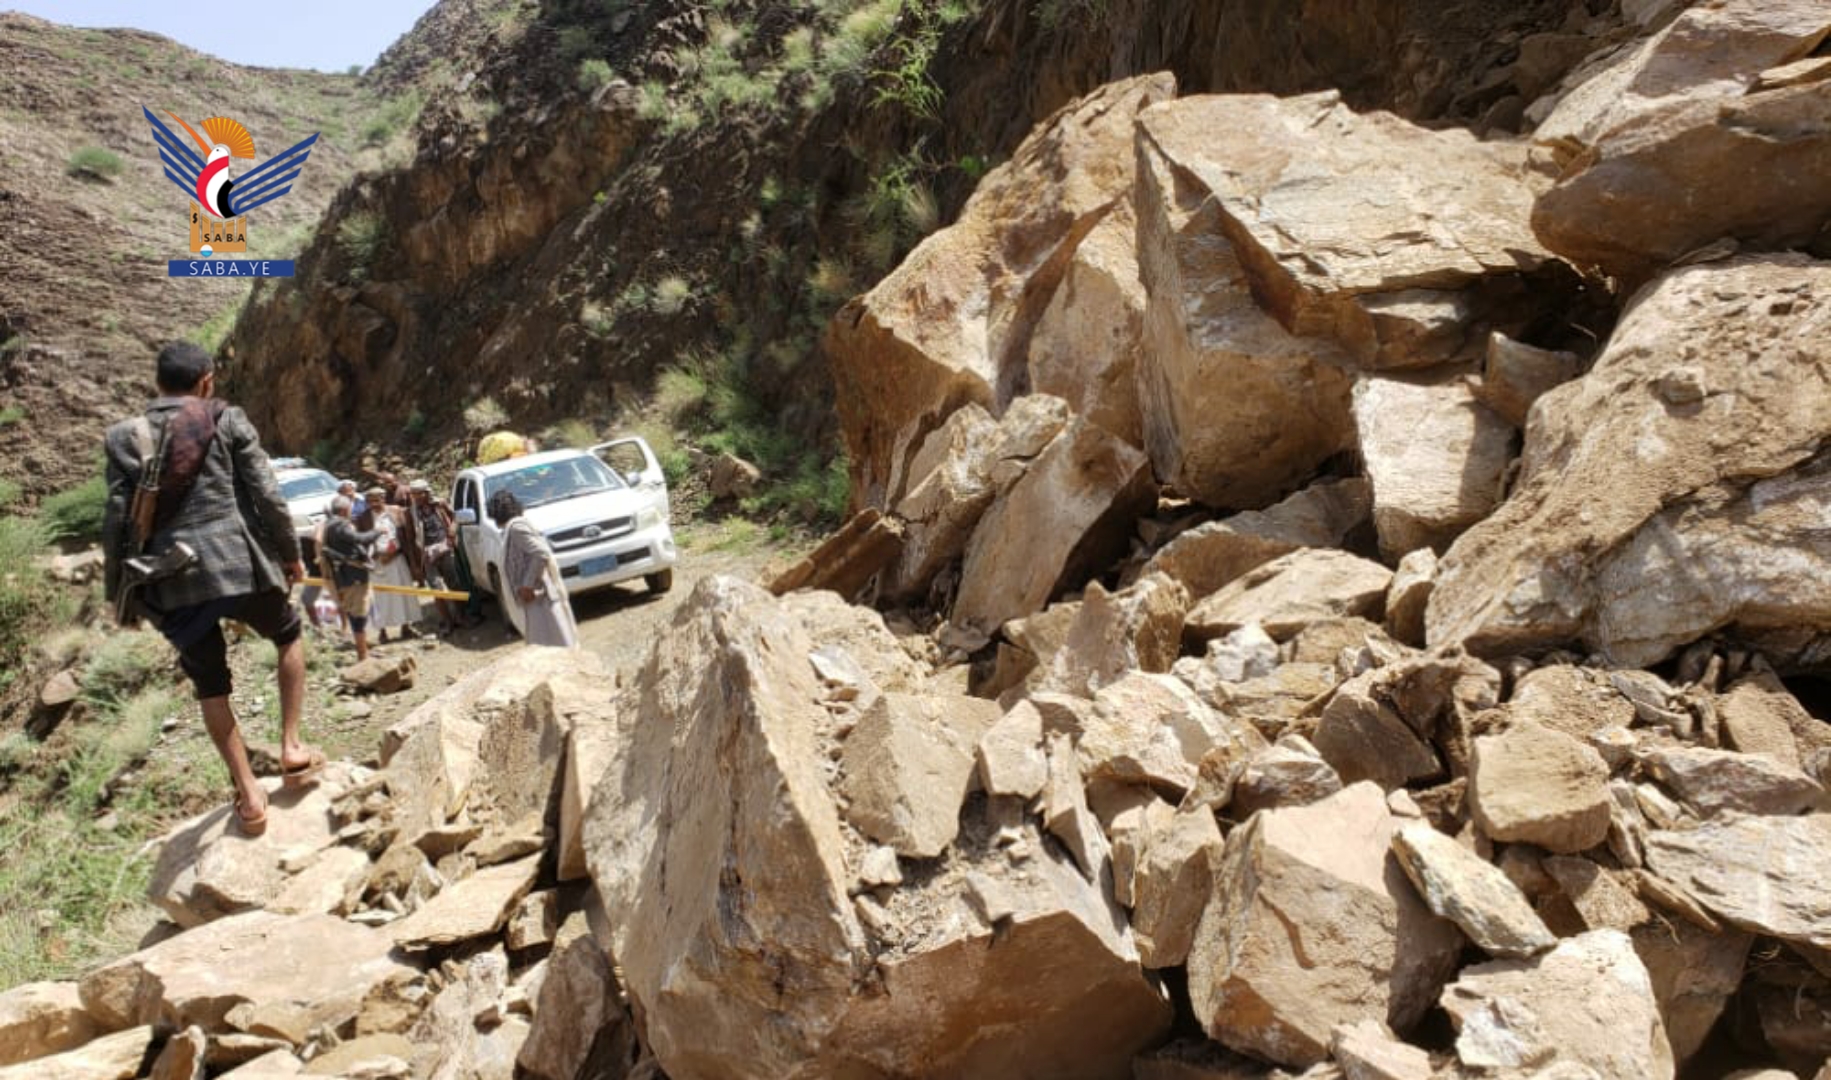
(660, 581)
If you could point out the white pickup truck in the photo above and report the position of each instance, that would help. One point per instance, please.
(604, 510)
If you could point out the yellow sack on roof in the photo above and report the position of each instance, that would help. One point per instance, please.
(499, 445)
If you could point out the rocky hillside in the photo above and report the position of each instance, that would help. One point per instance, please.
(84, 295)
(670, 187)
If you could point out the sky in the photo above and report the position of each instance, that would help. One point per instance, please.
(330, 35)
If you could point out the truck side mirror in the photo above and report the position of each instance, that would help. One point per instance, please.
(466, 516)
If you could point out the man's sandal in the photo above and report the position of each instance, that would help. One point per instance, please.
(304, 772)
(251, 825)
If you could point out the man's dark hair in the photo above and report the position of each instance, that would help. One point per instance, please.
(182, 365)
(504, 507)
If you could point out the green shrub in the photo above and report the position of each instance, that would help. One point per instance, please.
(485, 416)
(361, 236)
(11, 415)
(122, 665)
(415, 427)
(1056, 14)
(671, 294)
(9, 493)
(76, 513)
(25, 593)
(680, 394)
(95, 163)
(595, 73)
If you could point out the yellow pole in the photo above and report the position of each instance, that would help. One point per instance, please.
(404, 590)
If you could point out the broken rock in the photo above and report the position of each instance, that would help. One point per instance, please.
(475, 907)
(208, 869)
(1071, 512)
(908, 764)
(579, 1020)
(1435, 456)
(1588, 1002)
(1262, 984)
(1464, 888)
(41, 1019)
(1138, 628)
(1292, 591)
(279, 984)
(1764, 874)
(1531, 784)
(120, 1056)
(1011, 760)
(1714, 781)
(1170, 857)
(1211, 555)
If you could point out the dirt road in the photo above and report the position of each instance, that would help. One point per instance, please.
(621, 623)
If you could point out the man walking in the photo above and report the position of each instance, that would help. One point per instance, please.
(217, 497)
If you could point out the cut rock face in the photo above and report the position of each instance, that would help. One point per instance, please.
(1261, 982)
(1703, 420)
(1588, 1002)
(954, 322)
(1435, 456)
(1087, 347)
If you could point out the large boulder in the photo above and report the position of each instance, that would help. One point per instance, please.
(730, 918)
(1709, 52)
(1363, 228)
(1651, 191)
(1588, 1002)
(953, 323)
(40, 1019)
(1069, 514)
(279, 983)
(1236, 409)
(1211, 555)
(1314, 925)
(1435, 456)
(1702, 421)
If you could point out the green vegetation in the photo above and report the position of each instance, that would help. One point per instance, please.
(95, 163)
(595, 73)
(216, 328)
(76, 513)
(361, 237)
(672, 293)
(485, 415)
(11, 415)
(25, 593)
(123, 665)
(1057, 14)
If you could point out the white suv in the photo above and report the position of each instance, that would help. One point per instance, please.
(308, 493)
(605, 526)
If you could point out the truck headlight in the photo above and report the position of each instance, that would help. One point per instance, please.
(648, 518)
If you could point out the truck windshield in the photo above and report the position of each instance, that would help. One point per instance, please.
(307, 485)
(553, 481)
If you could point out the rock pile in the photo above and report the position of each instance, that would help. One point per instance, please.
(1362, 568)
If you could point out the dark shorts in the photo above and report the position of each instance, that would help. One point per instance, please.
(197, 633)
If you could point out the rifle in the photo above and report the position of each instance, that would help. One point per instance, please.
(137, 568)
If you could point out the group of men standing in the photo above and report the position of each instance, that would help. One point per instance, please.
(401, 538)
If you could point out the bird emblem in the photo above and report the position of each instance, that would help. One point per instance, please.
(205, 177)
